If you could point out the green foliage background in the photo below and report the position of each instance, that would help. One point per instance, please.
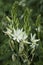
(5, 10)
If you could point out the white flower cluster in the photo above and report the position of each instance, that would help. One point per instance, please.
(20, 35)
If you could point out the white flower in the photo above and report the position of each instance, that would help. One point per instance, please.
(19, 35)
(33, 41)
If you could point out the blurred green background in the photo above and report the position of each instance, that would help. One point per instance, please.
(5, 10)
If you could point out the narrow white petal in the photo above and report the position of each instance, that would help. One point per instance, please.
(33, 37)
(18, 40)
(36, 40)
